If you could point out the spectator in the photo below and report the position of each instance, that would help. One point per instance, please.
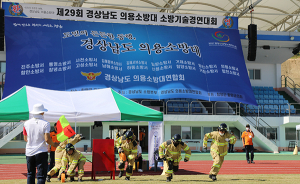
(247, 137)
(36, 133)
(139, 156)
(142, 138)
(230, 149)
(52, 148)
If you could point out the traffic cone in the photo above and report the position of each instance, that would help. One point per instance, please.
(295, 151)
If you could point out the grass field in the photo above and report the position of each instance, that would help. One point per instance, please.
(224, 179)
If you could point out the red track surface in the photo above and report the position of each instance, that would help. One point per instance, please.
(18, 171)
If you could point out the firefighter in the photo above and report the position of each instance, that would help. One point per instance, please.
(127, 145)
(172, 154)
(59, 153)
(218, 148)
(75, 158)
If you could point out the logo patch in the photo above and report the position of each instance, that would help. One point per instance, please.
(91, 76)
(220, 36)
(228, 22)
(15, 9)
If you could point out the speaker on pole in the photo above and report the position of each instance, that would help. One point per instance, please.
(252, 35)
(1, 30)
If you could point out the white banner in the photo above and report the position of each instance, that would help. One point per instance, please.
(118, 16)
(155, 138)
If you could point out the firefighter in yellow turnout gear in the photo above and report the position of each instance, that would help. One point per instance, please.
(74, 158)
(59, 153)
(126, 144)
(218, 148)
(172, 154)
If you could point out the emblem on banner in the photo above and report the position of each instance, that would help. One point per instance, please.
(15, 9)
(228, 22)
(220, 36)
(91, 75)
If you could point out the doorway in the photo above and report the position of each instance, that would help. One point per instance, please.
(113, 130)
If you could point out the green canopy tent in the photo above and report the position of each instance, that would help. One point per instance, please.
(80, 106)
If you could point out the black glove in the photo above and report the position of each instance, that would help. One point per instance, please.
(164, 159)
(185, 160)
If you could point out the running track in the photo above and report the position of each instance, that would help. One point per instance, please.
(18, 171)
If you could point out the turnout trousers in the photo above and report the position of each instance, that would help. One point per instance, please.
(218, 161)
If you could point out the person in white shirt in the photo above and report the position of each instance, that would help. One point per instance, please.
(139, 156)
(36, 133)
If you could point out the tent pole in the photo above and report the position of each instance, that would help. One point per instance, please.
(75, 131)
(138, 130)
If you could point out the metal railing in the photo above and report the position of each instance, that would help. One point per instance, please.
(201, 109)
(181, 108)
(276, 110)
(197, 107)
(261, 126)
(227, 107)
(290, 83)
(7, 128)
(161, 106)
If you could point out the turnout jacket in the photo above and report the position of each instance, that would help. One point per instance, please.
(130, 149)
(59, 149)
(218, 143)
(73, 160)
(174, 153)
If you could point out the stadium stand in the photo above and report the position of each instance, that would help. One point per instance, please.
(269, 102)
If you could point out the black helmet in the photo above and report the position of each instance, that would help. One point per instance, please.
(176, 138)
(223, 126)
(128, 135)
(69, 147)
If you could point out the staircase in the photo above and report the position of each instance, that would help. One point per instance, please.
(14, 130)
(259, 127)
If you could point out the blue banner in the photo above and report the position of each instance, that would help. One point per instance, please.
(138, 61)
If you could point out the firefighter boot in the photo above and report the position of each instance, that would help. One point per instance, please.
(48, 178)
(213, 177)
(127, 178)
(79, 180)
(121, 174)
(169, 179)
(72, 179)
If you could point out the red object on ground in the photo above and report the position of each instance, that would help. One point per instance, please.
(103, 157)
(19, 171)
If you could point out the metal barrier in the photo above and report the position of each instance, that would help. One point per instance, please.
(230, 110)
(289, 83)
(161, 107)
(7, 127)
(201, 109)
(178, 109)
(264, 126)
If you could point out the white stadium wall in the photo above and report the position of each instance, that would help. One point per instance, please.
(268, 74)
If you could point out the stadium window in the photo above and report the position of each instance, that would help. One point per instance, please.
(175, 130)
(254, 74)
(272, 133)
(85, 131)
(186, 133)
(290, 134)
(196, 133)
(2, 67)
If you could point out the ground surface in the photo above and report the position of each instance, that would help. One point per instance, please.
(268, 168)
